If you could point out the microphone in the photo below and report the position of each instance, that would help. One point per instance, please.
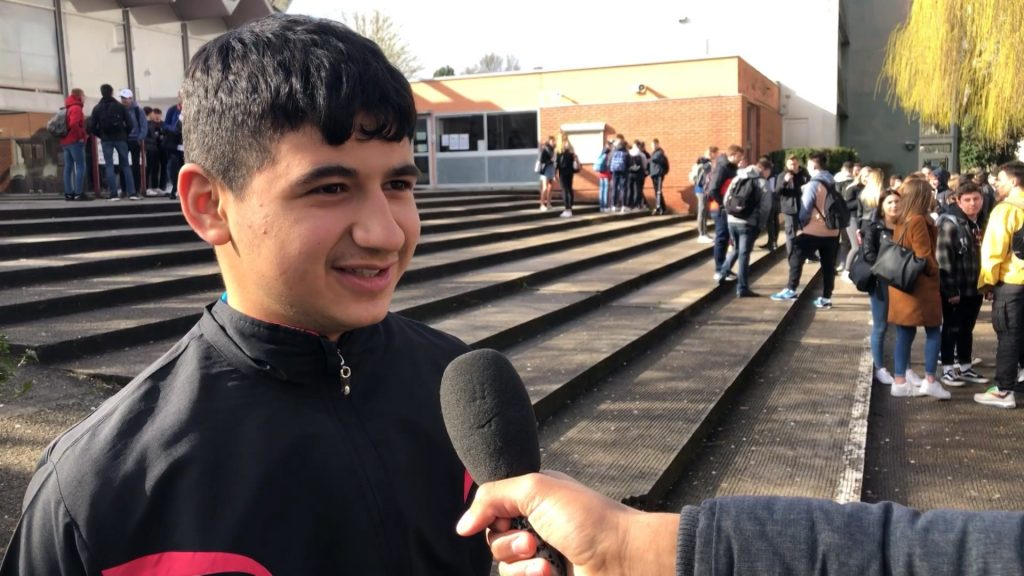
(490, 420)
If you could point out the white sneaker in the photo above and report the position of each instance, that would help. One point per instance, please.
(717, 277)
(996, 397)
(884, 377)
(543, 207)
(913, 378)
(565, 214)
(704, 240)
(935, 390)
(114, 199)
(904, 390)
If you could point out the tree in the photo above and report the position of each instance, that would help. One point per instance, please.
(977, 152)
(493, 63)
(444, 71)
(958, 61)
(380, 28)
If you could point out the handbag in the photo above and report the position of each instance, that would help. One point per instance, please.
(575, 164)
(898, 265)
(860, 272)
(538, 167)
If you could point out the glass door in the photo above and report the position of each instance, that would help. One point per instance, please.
(421, 149)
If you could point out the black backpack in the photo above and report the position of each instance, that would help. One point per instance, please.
(111, 119)
(636, 164)
(743, 198)
(837, 213)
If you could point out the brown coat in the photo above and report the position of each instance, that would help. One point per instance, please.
(924, 306)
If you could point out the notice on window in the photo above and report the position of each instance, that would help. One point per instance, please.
(463, 141)
(445, 140)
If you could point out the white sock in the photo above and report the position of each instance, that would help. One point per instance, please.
(965, 367)
(946, 368)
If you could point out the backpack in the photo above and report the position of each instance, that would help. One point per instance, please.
(619, 158)
(58, 123)
(110, 119)
(837, 213)
(601, 164)
(743, 198)
(636, 164)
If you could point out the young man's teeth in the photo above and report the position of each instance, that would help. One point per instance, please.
(364, 272)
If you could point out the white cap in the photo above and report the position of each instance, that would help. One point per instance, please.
(126, 93)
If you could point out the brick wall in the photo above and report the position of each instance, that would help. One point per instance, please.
(685, 128)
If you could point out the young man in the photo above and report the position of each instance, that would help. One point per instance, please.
(788, 186)
(700, 180)
(659, 168)
(111, 122)
(297, 428)
(136, 137)
(1002, 278)
(155, 173)
(958, 251)
(743, 229)
(814, 235)
(723, 172)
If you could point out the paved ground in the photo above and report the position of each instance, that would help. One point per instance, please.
(36, 406)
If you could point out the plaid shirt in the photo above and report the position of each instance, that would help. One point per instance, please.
(958, 253)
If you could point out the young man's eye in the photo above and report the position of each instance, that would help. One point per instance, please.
(329, 189)
(400, 185)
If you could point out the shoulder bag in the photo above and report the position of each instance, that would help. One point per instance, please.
(897, 264)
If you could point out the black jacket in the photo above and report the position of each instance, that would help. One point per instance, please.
(721, 172)
(871, 231)
(239, 446)
(789, 193)
(658, 164)
(110, 120)
(958, 252)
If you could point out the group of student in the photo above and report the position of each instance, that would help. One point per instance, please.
(622, 173)
(968, 238)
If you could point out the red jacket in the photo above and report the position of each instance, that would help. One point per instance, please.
(76, 121)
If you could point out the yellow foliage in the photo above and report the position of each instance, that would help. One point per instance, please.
(960, 59)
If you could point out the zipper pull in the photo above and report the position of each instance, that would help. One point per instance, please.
(346, 373)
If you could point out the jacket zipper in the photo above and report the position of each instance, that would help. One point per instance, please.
(345, 372)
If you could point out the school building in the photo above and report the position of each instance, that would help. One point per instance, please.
(484, 131)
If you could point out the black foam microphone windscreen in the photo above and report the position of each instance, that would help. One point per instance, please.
(491, 423)
(489, 417)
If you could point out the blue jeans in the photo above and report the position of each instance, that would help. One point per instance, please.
(126, 168)
(620, 185)
(602, 194)
(721, 236)
(74, 169)
(905, 339)
(879, 324)
(743, 236)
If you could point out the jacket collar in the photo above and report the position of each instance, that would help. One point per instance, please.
(281, 352)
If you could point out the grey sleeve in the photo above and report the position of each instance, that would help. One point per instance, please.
(797, 536)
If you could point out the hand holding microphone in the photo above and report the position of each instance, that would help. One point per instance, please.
(492, 426)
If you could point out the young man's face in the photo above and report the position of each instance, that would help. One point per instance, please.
(792, 165)
(970, 204)
(323, 233)
(1003, 185)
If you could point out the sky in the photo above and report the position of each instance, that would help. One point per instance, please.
(544, 34)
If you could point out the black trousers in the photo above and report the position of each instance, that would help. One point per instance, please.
(958, 322)
(135, 150)
(1008, 321)
(154, 168)
(791, 229)
(805, 245)
(657, 181)
(773, 228)
(565, 180)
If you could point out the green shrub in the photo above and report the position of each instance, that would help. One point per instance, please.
(836, 156)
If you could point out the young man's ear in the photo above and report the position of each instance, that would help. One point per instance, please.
(202, 203)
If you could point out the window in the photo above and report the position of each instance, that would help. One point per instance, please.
(461, 133)
(516, 131)
(93, 52)
(28, 48)
(159, 69)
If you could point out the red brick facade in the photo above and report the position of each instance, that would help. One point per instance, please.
(685, 128)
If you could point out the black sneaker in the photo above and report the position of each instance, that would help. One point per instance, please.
(973, 377)
(952, 377)
(748, 294)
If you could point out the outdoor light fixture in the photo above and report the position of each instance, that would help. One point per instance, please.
(909, 145)
(641, 88)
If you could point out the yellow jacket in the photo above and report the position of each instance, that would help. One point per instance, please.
(998, 264)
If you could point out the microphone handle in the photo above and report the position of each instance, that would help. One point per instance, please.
(544, 550)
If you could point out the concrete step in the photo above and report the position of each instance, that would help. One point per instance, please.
(34, 210)
(678, 384)
(91, 332)
(791, 429)
(422, 301)
(41, 226)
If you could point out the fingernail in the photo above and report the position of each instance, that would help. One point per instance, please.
(463, 524)
(521, 545)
